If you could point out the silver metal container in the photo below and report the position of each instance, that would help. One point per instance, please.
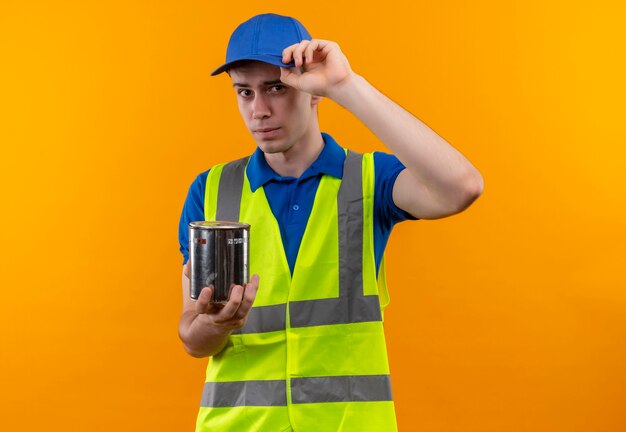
(219, 253)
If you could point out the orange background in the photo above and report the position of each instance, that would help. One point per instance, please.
(507, 317)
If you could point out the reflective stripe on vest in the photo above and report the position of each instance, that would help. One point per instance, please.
(364, 388)
(312, 354)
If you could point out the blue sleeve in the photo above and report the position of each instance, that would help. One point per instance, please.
(193, 211)
(386, 212)
(386, 170)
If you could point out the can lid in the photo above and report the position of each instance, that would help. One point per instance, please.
(218, 225)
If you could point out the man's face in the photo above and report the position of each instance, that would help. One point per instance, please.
(278, 116)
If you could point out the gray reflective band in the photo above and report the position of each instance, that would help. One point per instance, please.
(343, 310)
(263, 319)
(360, 308)
(357, 388)
(351, 306)
(229, 191)
(244, 393)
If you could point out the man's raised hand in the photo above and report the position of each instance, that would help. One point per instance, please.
(320, 69)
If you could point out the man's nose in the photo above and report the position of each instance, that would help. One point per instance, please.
(260, 108)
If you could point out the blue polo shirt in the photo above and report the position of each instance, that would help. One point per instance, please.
(291, 199)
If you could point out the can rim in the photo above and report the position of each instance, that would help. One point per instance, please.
(207, 225)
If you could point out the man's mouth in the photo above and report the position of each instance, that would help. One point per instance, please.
(267, 132)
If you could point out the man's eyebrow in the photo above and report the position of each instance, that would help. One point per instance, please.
(265, 83)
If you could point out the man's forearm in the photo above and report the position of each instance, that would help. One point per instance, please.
(200, 338)
(429, 158)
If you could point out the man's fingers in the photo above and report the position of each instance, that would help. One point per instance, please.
(248, 297)
(203, 304)
(186, 269)
(230, 309)
(295, 52)
(291, 76)
(310, 51)
(288, 53)
(234, 312)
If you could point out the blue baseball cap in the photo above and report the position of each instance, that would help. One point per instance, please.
(263, 38)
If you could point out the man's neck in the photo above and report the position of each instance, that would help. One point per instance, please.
(298, 158)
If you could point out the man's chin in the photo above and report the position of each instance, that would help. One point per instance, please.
(271, 147)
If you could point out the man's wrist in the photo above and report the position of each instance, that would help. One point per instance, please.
(345, 92)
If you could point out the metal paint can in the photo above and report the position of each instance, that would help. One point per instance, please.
(219, 252)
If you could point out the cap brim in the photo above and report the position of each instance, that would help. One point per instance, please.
(273, 60)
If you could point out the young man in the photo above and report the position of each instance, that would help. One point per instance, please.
(302, 347)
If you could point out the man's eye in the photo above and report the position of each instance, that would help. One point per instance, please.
(245, 92)
(277, 87)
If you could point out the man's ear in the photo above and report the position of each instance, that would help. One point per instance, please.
(316, 100)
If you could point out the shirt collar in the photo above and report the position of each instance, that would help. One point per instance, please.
(330, 161)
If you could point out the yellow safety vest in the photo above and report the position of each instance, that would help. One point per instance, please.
(312, 355)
